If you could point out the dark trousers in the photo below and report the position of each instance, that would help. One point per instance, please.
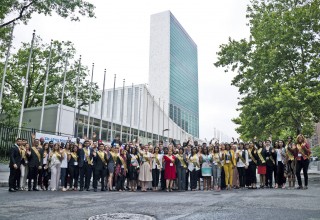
(99, 174)
(63, 177)
(163, 181)
(32, 175)
(252, 169)
(246, 177)
(241, 171)
(85, 175)
(74, 176)
(155, 177)
(40, 177)
(120, 182)
(194, 177)
(187, 179)
(269, 175)
(280, 174)
(181, 171)
(45, 177)
(223, 179)
(304, 165)
(14, 178)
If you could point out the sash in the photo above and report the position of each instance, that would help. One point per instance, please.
(74, 156)
(217, 159)
(145, 156)
(87, 156)
(194, 161)
(36, 152)
(252, 157)
(260, 156)
(289, 153)
(271, 158)
(229, 154)
(57, 155)
(157, 159)
(22, 151)
(183, 163)
(303, 151)
(241, 158)
(101, 155)
(123, 163)
(114, 156)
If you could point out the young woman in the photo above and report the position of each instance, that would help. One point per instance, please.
(45, 169)
(24, 166)
(229, 165)
(121, 170)
(206, 169)
(156, 168)
(73, 168)
(170, 170)
(270, 162)
(281, 165)
(253, 161)
(145, 175)
(199, 171)
(235, 178)
(302, 152)
(242, 164)
(193, 167)
(216, 168)
(133, 169)
(64, 167)
(112, 159)
(291, 163)
(262, 169)
(275, 166)
(181, 166)
(55, 158)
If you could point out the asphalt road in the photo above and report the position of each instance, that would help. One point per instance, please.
(235, 204)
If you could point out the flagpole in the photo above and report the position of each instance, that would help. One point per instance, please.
(159, 121)
(130, 137)
(146, 134)
(102, 104)
(26, 83)
(6, 66)
(152, 118)
(45, 88)
(112, 108)
(122, 109)
(75, 130)
(139, 114)
(89, 111)
(168, 122)
(163, 121)
(62, 95)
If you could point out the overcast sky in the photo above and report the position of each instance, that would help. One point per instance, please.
(118, 40)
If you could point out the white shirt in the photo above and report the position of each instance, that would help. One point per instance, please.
(240, 162)
(154, 162)
(64, 162)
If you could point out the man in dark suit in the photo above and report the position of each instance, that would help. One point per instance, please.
(85, 165)
(100, 164)
(14, 165)
(34, 156)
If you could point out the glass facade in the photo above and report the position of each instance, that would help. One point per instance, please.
(184, 98)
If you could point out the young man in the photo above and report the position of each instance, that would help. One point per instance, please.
(15, 162)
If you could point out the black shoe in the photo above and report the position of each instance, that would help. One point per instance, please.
(299, 187)
(29, 189)
(81, 189)
(88, 189)
(93, 190)
(103, 190)
(12, 190)
(35, 189)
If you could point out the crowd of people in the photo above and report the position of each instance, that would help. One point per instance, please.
(133, 166)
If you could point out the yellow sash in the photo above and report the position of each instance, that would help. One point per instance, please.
(302, 151)
(157, 159)
(74, 156)
(114, 156)
(251, 156)
(241, 158)
(183, 163)
(23, 152)
(289, 154)
(101, 155)
(194, 161)
(145, 156)
(260, 156)
(123, 163)
(87, 156)
(36, 152)
(217, 159)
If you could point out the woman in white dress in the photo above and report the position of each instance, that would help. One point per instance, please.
(145, 168)
(55, 158)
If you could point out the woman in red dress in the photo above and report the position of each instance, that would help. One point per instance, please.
(170, 169)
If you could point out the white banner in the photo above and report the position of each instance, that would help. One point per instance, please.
(50, 137)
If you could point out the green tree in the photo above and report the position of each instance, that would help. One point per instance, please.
(278, 68)
(18, 10)
(16, 72)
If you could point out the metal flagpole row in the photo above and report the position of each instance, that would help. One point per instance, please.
(75, 129)
(90, 95)
(45, 88)
(102, 102)
(122, 109)
(26, 84)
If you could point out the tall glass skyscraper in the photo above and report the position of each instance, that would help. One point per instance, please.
(173, 70)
